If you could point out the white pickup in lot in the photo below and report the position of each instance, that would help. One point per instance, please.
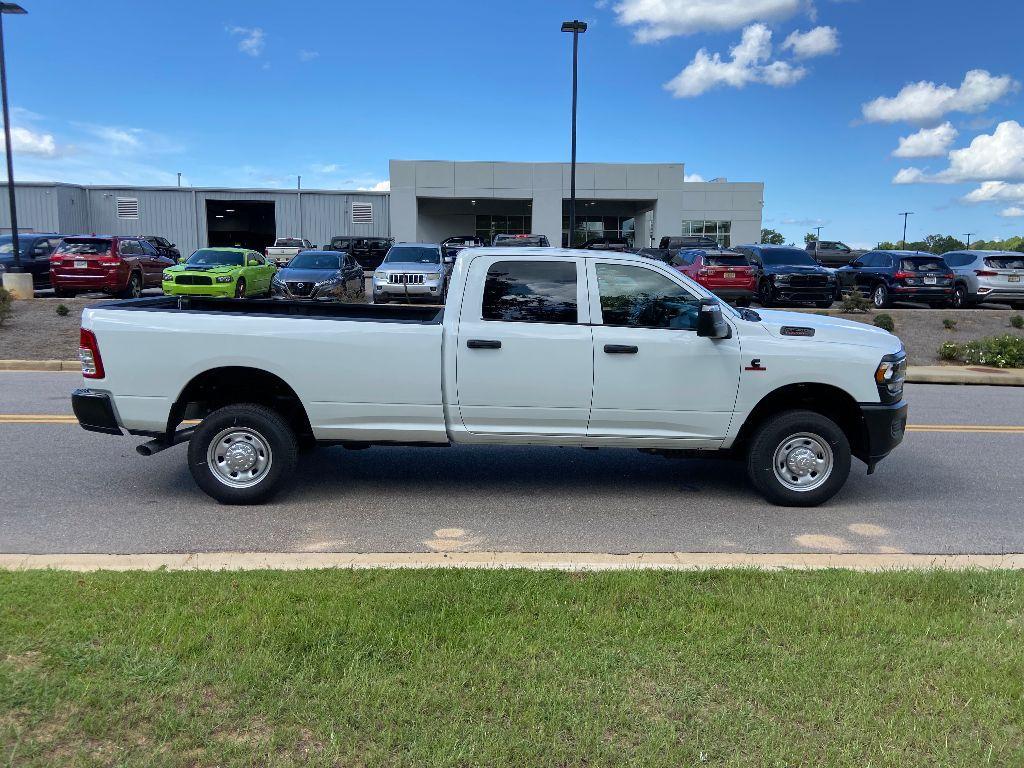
(284, 249)
(535, 346)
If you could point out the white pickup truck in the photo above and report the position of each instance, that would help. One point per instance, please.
(284, 249)
(535, 346)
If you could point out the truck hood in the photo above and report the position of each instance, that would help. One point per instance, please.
(829, 329)
(397, 266)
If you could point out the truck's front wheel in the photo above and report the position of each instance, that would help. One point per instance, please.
(798, 459)
(242, 454)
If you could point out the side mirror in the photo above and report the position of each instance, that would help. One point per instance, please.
(710, 322)
(856, 263)
(449, 260)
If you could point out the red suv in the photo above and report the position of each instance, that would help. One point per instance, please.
(727, 274)
(120, 266)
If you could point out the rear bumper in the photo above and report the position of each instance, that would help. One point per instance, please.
(1001, 294)
(884, 426)
(732, 292)
(95, 411)
(112, 283)
(916, 293)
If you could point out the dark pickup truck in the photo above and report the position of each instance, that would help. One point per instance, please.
(669, 246)
(368, 252)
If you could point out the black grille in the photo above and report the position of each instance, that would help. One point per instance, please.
(300, 289)
(193, 280)
(808, 281)
(406, 279)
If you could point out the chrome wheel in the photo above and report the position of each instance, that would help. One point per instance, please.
(803, 461)
(879, 296)
(239, 457)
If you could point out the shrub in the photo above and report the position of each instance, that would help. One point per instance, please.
(949, 323)
(348, 296)
(1005, 351)
(1017, 321)
(885, 322)
(855, 302)
(5, 305)
(62, 310)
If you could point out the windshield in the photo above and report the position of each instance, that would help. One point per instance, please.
(7, 244)
(1005, 262)
(413, 255)
(923, 265)
(288, 242)
(85, 247)
(212, 257)
(778, 257)
(310, 260)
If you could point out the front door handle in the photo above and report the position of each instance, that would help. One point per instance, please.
(620, 349)
(483, 344)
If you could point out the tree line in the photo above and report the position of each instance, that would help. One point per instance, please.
(937, 244)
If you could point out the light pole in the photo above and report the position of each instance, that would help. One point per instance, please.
(905, 214)
(967, 242)
(16, 266)
(818, 231)
(577, 28)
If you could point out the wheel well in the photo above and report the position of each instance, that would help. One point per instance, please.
(825, 399)
(230, 385)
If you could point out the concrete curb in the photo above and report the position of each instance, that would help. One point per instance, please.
(41, 365)
(536, 561)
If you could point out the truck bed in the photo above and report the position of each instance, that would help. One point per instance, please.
(375, 313)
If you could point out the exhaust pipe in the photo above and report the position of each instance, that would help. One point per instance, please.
(158, 444)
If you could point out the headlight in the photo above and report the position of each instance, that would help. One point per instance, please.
(168, 277)
(380, 275)
(780, 278)
(225, 279)
(432, 276)
(892, 373)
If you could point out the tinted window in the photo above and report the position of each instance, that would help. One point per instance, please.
(412, 254)
(958, 259)
(1005, 262)
(531, 292)
(288, 242)
(683, 258)
(923, 265)
(724, 260)
(128, 248)
(642, 298)
(787, 256)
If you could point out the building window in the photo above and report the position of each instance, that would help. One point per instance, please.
(590, 227)
(717, 230)
(127, 207)
(488, 226)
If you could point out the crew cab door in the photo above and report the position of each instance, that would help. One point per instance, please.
(654, 378)
(524, 362)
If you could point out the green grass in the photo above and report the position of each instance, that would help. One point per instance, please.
(486, 668)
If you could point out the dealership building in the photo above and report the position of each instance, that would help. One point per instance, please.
(429, 201)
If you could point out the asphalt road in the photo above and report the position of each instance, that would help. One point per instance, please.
(951, 491)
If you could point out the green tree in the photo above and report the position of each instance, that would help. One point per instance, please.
(885, 245)
(940, 244)
(810, 237)
(771, 237)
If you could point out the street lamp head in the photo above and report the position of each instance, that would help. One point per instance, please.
(11, 8)
(574, 26)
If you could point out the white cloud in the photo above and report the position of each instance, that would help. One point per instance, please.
(748, 63)
(305, 55)
(380, 186)
(1012, 212)
(820, 41)
(928, 142)
(26, 142)
(910, 176)
(325, 168)
(925, 101)
(991, 191)
(693, 177)
(660, 19)
(253, 39)
(997, 156)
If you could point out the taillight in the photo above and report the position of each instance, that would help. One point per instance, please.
(703, 272)
(901, 275)
(948, 275)
(985, 273)
(89, 354)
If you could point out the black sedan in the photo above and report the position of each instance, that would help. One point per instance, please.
(788, 275)
(324, 275)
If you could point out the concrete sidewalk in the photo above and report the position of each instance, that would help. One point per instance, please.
(916, 374)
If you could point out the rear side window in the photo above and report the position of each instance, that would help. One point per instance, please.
(923, 265)
(724, 260)
(85, 247)
(958, 259)
(1005, 262)
(530, 292)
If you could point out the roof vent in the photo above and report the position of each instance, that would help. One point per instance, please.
(127, 207)
(362, 213)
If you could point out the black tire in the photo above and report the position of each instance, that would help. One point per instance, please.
(240, 288)
(271, 432)
(134, 288)
(765, 294)
(379, 300)
(774, 434)
(959, 298)
(880, 296)
(62, 294)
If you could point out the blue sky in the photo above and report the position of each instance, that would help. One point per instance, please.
(810, 97)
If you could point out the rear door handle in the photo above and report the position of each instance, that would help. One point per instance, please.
(483, 344)
(620, 349)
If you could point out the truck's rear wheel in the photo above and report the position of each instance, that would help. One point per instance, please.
(798, 459)
(242, 454)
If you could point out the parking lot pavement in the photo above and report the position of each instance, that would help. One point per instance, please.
(949, 491)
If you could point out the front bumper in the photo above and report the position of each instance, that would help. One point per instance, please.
(279, 291)
(95, 411)
(884, 427)
(217, 290)
(420, 291)
(799, 295)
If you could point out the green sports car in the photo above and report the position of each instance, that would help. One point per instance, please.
(222, 272)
